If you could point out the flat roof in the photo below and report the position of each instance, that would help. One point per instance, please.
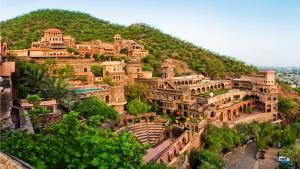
(107, 63)
(153, 152)
(26, 104)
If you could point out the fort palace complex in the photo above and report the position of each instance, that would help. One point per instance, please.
(196, 98)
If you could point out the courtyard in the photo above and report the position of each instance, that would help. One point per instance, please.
(245, 158)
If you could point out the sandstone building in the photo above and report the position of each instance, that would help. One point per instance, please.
(6, 69)
(54, 44)
(202, 101)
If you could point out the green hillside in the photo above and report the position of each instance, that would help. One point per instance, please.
(19, 32)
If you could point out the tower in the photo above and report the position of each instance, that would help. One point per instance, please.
(269, 76)
(3, 50)
(117, 43)
(167, 69)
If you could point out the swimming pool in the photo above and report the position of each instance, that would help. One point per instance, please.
(85, 90)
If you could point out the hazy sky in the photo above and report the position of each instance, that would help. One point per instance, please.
(259, 32)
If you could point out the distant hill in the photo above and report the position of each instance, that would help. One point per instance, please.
(19, 32)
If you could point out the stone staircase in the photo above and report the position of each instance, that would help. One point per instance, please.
(146, 132)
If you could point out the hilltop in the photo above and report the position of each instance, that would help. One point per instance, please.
(19, 32)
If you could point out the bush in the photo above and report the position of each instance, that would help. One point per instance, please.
(206, 159)
(92, 106)
(217, 139)
(136, 107)
(71, 144)
(97, 70)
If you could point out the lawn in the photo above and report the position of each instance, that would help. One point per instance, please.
(215, 92)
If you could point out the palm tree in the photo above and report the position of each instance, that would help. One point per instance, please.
(33, 78)
(56, 88)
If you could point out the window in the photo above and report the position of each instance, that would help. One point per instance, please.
(85, 70)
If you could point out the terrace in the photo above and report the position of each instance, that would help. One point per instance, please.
(215, 93)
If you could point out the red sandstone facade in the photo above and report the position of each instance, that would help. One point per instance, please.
(6, 69)
(193, 97)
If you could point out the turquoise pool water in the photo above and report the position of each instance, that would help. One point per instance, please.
(78, 91)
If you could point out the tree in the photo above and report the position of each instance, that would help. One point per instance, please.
(217, 139)
(49, 63)
(56, 88)
(124, 51)
(293, 153)
(205, 158)
(36, 111)
(285, 105)
(135, 107)
(265, 135)
(155, 108)
(248, 109)
(213, 139)
(288, 136)
(108, 81)
(92, 106)
(34, 99)
(137, 91)
(158, 43)
(34, 77)
(230, 138)
(97, 70)
(147, 67)
(67, 71)
(296, 127)
(73, 51)
(71, 144)
(248, 131)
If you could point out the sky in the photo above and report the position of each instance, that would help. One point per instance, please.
(258, 32)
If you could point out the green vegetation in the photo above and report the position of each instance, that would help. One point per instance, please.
(36, 110)
(136, 91)
(72, 50)
(92, 106)
(21, 31)
(56, 88)
(71, 144)
(268, 134)
(248, 109)
(293, 153)
(66, 71)
(297, 90)
(205, 159)
(108, 81)
(221, 140)
(33, 79)
(284, 105)
(135, 107)
(124, 51)
(215, 92)
(285, 85)
(30, 80)
(218, 139)
(248, 131)
(97, 70)
(296, 127)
